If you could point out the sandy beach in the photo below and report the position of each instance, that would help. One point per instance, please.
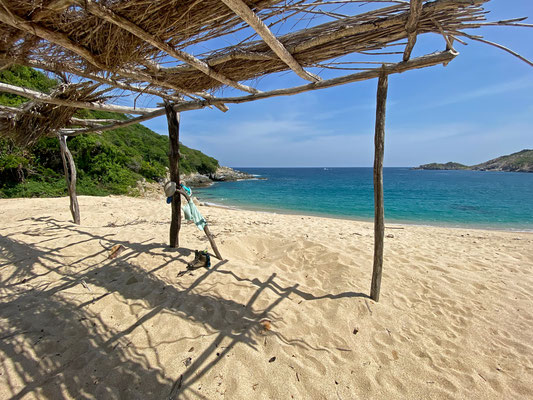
(285, 316)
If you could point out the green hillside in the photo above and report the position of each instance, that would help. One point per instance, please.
(110, 163)
(521, 161)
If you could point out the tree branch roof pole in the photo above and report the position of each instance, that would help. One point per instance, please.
(246, 14)
(379, 212)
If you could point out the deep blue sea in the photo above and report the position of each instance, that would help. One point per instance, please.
(501, 200)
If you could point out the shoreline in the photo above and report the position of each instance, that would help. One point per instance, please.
(302, 213)
(361, 219)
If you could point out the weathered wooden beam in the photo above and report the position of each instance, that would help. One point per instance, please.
(243, 11)
(411, 27)
(102, 128)
(73, 121)
(69, 168)
(420, 62)
(379, 212)
(98, 78)
(415, 63)
(44, 98)
(135, 75)
(10, 110)
(92, 122)
(14, 111)
(173, 120)
(111, 17)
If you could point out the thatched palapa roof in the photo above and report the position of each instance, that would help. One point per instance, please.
(158, 47)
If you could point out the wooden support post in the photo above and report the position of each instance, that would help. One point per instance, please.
(70, 176)
(173, 119)
(379, 213)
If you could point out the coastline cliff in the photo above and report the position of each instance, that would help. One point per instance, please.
(521, 161)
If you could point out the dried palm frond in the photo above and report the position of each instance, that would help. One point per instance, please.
(33, 120)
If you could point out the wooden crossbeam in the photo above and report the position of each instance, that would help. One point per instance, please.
(44, 98)
(415, 63)
(9, 110)
(14, 111)
(246, 14)
(111, 17)
(156, 113)
(95, 77)
(415, 10)
(92, 122)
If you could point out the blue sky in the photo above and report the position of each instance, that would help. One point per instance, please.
(478, 107)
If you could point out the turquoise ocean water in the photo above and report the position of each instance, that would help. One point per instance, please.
(502, 200)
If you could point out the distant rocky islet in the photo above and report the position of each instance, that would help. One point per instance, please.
(521, 161)
(222, 174)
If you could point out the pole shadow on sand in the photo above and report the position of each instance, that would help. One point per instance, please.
(36, 313)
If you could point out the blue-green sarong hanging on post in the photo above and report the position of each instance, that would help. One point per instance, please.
(191, 213)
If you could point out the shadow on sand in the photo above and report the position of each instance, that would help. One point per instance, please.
(38, 355)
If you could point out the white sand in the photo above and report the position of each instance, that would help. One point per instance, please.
(455, 318)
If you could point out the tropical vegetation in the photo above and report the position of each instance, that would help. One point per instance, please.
(110, 163)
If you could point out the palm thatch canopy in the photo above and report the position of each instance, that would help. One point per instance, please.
(147, 48)
(36, 119)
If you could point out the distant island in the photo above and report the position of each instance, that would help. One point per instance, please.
(521, 161)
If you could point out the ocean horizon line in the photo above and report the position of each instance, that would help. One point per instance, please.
(385, 167)
(323, 166)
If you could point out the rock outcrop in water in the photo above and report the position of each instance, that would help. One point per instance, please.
(447, 166)
(222, 174)
(521, 161)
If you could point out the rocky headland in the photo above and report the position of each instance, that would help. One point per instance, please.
(521, 161)
(447, 166)
(222, 174)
